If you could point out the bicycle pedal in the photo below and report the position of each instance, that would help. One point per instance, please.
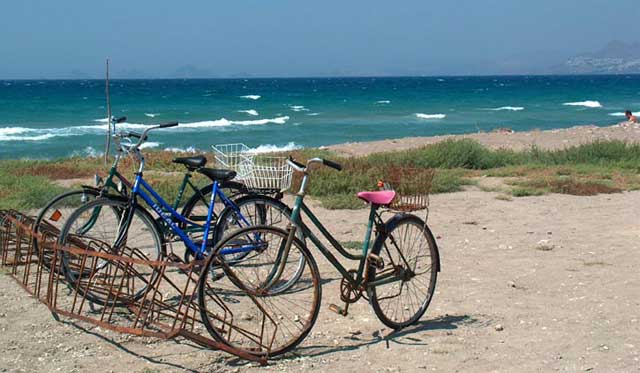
(337, 309)
(376, 261)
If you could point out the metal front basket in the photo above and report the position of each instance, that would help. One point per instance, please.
(412, 187)
(264, 172)
(230, 156)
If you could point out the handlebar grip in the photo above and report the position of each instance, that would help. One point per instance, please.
(332, 164)
(167, 125)
(296, 162)
(120, 120)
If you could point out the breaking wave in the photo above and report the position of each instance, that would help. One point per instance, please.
(268, 148)
(251, 97)
(298, 108)
(250, 112)
(507, 108)
(431, 116)
(588, 103)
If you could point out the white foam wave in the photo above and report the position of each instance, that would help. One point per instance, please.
(103, 120)
(40, 134)
(431, 116)
(45, 136)
(268, 148)
(149, 145)
(383, 102)
(103, 127)
(298, 108)
(31, 134)
(225, 122)
(588, 103)
(151, 115)
(190, 149)
(251, 97)
(250, 112)
(13, 130)
(507, 108)
(313, 114)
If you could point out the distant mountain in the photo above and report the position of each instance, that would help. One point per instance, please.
(617, 57)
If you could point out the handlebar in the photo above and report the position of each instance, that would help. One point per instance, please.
(302, 168)
(167, 125)
(332, 164)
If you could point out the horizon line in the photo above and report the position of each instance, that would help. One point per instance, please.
(330, 77)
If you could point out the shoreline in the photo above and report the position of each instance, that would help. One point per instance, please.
(552, 139)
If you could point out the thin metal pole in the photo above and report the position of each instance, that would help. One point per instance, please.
(108, 140)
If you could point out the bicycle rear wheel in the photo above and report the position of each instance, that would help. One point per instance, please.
(102, 226)
(407, 277)
(240, 308)
(197, 208)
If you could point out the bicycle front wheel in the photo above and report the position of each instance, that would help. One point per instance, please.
(108, 226)
(402, 284)
(237, 303)
(255, 210)
(52, 217)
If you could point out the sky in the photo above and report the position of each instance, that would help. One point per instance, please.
(273, 38)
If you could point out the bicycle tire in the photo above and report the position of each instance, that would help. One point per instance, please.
(191, 212)
(295, 310)
(81, 280)
(397, 230)
(260, 210)
(51, 218)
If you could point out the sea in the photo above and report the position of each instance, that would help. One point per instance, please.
(49, 119)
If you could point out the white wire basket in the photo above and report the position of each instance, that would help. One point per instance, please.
(257, 171)
(266, 173)
(229, 156)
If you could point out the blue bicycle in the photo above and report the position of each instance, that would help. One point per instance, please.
(123, 226)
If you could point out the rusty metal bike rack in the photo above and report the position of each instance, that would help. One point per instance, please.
(167, 308)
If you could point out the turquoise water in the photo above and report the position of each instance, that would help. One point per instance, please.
(49, 119)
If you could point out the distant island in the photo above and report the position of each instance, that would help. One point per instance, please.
(616, 57)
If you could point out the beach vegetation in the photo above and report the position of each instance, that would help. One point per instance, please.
(598, 167)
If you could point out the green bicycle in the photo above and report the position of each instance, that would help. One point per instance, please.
(54, 214)
(397, 273)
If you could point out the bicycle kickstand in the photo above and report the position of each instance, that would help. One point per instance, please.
(340, 311)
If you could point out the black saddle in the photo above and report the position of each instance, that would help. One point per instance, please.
(219, 175)
(192, 163)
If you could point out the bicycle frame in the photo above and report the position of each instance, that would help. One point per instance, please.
(169, 215)
(374, 220)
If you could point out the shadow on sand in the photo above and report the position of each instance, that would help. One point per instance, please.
(402, 337)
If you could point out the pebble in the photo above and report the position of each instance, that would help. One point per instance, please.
(511, 284)
(499, 328)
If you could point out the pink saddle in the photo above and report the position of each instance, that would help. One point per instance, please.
(382, 198)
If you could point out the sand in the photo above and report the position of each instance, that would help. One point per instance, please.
(533, 284)
(549, 139)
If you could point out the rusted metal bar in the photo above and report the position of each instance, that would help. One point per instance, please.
(106, 282)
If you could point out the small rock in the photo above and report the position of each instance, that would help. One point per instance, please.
(511, 284)
(246, 316)
(499, 328)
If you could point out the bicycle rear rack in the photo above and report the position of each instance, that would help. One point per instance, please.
(168, 307)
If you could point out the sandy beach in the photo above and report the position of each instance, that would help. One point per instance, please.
(548, 139)
(530, 284)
